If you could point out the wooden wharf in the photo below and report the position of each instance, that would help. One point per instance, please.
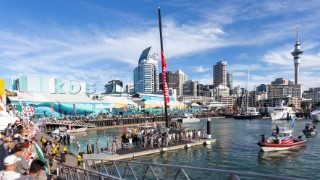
(51, 125)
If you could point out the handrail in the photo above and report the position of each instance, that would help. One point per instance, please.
(149, 168)
(74, 173)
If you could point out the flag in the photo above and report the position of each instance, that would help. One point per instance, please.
(19, 108)
(164, 79)
(125, 108)
(292, 121)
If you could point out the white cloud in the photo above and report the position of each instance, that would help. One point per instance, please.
(200, 69)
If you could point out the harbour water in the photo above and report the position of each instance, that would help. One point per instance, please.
(235, 149)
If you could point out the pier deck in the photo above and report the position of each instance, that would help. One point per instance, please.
(137, 151)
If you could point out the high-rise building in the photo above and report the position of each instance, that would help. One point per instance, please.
(190, 88)
(220, 73)
(175, 80)
(297, 58)
(285, 91)
(146, 74)
(229, 80)
(129, 89)
(114, 86)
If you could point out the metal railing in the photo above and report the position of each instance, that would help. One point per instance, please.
(121, 169)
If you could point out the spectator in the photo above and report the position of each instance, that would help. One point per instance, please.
(11, 163)
(89, 147)
(35, 169)
(6, 143)
(114, 147)
(78, 147)
(79, 160)
(23, 165)
(98, 146)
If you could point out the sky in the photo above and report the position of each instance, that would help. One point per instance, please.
(101, 40)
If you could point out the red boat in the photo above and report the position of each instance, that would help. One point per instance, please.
(281, 140)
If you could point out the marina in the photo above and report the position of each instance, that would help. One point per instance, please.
(235, 149)
(100, 90)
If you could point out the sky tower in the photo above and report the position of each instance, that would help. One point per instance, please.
(296, 57)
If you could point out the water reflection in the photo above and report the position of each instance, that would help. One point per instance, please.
(274, 156)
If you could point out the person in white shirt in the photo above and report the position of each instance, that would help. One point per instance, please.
(10, 163)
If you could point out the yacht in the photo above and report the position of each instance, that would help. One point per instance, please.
(6, 117)
(250, 113)
(315, 115)
(281, 113)
(186, 118)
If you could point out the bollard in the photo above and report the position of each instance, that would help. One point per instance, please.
(209, 128)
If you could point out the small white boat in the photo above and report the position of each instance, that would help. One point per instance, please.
(186, 118)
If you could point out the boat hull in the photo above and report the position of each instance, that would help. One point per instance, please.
(246, 116)
(309, 132)
(186, 120)
(265, 146)
(280, 115)
(77, 130)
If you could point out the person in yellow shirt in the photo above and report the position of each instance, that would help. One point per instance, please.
(54, 152)
(79, 160)
(65, 149)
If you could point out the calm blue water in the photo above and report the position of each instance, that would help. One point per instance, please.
(235, 149)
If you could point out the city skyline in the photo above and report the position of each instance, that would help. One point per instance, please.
(102, 40)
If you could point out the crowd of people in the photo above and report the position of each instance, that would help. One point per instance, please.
(144, 138)
(20, 162)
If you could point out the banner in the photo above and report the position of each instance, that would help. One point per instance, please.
(164, 79)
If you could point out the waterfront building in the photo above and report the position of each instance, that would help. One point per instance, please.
(297, 58)
(220, 73)
(190, 88)
(114, 86)
(282, 81)
(230, 82)
(175, 80)
(285, 91)
(313, 95)
(146, 74)
(261, 88)
(204, 90)
(41, 84)
(61, 97)
(129, 89)
(228, 101)
(154, 104)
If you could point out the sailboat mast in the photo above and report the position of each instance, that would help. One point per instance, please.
(247, 92)
(164, 71)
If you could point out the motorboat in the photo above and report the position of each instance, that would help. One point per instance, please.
(281, 113)
(310, 129)
(280, 140)
(6, 117)
(186, 118)
(315, 115)
(249, 113)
